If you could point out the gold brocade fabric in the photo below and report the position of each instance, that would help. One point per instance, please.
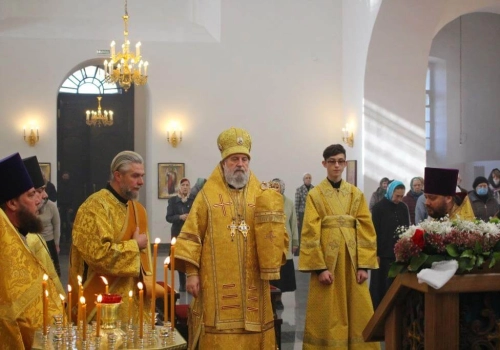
(464, 211)
(98, 228)
(337, 235)
(235, 301)
(21, 275)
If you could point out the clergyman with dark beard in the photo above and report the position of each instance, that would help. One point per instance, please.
(110, 239)
(443, 197)
(21, 306)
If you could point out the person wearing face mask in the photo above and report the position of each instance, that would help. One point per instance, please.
(387, 215)
(494, 184)
(481, 198)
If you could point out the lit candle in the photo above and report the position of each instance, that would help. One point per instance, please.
(84, 313)
(165, 297)
(45, 312)
(44, 302)
(80, 295)
(138, 49)
(172, 287)
(130, 293)
(88, 115)
(63, 315)
(141, 310)
(69, 304)
(98, 320)
(111, 115)
(153, 285)
(106, 284)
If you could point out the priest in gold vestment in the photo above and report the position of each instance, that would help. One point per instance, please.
(442, 197)
(217, 248)
(338, 247)
(22, 272)
(110, 236)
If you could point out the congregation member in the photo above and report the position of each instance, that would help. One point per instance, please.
(420, 210)
(494, 183)
(441, 196)
(287, 282)
(21, 302)
(217, 249)
(338, 248)
(379, 193)
(197, 186)
(177, 212)
(50, 188)
(300, 200)
(411, 198)
(111, 239)
(387, 215)
(481, 198)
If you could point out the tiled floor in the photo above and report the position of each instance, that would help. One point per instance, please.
(293, 315)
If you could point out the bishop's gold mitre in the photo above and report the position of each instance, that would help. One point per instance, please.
(234, 140)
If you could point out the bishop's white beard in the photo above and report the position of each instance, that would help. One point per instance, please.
(238, 179)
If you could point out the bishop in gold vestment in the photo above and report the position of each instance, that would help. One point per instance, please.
(218, 244)
(337, 237)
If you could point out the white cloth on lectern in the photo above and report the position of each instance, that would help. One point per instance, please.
(440, 273)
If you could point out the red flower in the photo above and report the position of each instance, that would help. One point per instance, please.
(418, 238)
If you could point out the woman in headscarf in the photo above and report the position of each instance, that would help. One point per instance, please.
(379, 193)
(287, 273)
(482, 201)
(387, 215)
(494, 183)
(416, 190)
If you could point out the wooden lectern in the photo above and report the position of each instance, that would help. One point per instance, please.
(413, 315)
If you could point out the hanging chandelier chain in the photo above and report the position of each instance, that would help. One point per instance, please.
(126, 11)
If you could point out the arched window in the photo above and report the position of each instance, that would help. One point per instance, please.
(89, 80)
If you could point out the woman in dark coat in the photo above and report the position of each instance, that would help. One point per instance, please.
(177, 213)
(481, 198)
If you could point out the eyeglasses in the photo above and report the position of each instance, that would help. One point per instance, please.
(333, 161)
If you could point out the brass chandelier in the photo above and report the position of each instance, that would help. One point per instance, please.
(125, 67)
(99, 117)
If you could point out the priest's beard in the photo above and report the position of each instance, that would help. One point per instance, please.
(28, 222)
(237, 179)
(128, 193)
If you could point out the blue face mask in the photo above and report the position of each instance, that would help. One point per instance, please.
(482, 191)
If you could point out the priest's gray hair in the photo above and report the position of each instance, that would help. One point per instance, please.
(122, 161)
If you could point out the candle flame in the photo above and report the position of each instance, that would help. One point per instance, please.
(45, 277)
(173, 241)
(139, 285)
(47, 293)
(82, 300)
(62, 297)
(99, 298)
(79, 280)
(167, 261)
(104, 280)
(130, 293)
(69, 288)
(157, 241)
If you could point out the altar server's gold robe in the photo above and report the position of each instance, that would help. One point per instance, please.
(233, 310)
(98, 249)
(337, 235)
(21, 275)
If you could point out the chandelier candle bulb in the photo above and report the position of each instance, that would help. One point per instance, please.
(138, 49)
(112, 50)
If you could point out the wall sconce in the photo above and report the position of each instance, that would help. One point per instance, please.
(33, 137)
(348, 136)
(174, 135)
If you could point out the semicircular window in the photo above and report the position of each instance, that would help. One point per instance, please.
(89, 80)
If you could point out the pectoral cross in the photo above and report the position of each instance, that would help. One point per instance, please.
(243, 228)
(233, 228)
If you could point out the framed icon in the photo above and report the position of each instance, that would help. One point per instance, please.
(169, 177)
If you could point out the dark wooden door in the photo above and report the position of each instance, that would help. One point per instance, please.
(86, 151)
